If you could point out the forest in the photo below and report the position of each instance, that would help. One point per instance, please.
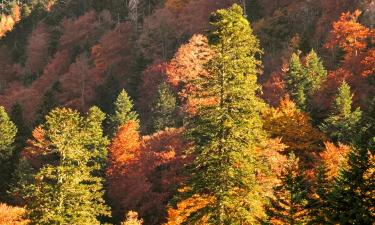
(187, 112)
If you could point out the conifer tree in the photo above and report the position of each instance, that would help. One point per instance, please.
(342, 124)
(289, 205)
(303, 80)
(123, 112)
(296, 81)
(49, 102)
(352, 198)
(23, 130)
(315, 72)
(8, 131)
(228, 131)
(163, 110)
(64, 190)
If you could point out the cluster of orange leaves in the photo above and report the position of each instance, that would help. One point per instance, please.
(185, 208)
(12, 215)
(7, 22)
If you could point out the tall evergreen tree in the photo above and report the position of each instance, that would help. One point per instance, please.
(342, 124)
(164, 108)
(228, 129)
(296, 81)
(64, 190)
(23, 130)
(303, 80)
(8, 131)
(289, 205)
(352, 198)
(49, 102)
(315, 72)
(123, 112)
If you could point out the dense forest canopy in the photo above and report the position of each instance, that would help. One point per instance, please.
(187, 112)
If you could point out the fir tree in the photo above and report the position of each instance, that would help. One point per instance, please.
(289, 205)
(352, 198)
(227, 130)
(303, 80)
(23, 130)
(296, 81)
(342, 124)
(315, 72)
(163, 110)
(8, 131)
(64, 190)
(123, 112)
(49, 102)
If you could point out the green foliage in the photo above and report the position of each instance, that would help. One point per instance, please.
(107, 93)
(8, 132)
(319, 204)
(64, 190)
(123, 112)
(352, 198)
(49, 102)
(303, 80)
(23, 130)
(342, 124)
(289, 204)
(164, 108)
(227, 133)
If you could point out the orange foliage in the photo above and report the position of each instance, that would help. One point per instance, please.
(334, 157)
(295, 129)
(142, 176)
(12, 215)
(7, 22)
(349, 35)
(187, 207)
(187, 65)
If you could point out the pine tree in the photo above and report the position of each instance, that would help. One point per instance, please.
(8, 131)
(296, 81)
(228, 131)
(49, 102)
(164, 108)
(123, 112)
(352, 198)
(303, 80)
(289, 205)
(342, 124)
(315, 72)
(64, 190)
(23, 130)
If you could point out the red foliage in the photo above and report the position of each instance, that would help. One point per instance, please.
(152, 77)
(114, 47)
(143, 177)
(37, 48)
(274, 89)
(80, 31)
(79, 84)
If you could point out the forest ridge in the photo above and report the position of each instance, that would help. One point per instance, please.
(180, 112)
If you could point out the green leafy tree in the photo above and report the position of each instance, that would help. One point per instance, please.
(164, 108)
(227, 129)
(315, 72)
(342, 124)
(65, 189)
(8, 131)
(123, 112)
(289, 204)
